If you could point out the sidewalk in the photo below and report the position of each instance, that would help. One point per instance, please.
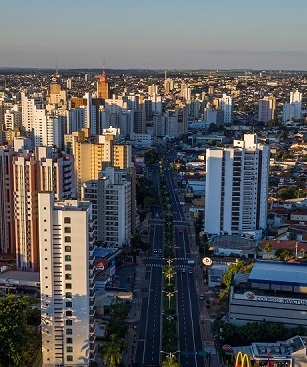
(135, 313)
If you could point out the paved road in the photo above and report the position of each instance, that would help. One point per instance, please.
(190, 341)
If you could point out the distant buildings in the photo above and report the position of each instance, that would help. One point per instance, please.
(237, 187)
(226, 107)
(266, 109)
(293, 110)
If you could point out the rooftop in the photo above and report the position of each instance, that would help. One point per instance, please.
(278, 272)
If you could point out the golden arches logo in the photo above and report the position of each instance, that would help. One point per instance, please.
(243, 360)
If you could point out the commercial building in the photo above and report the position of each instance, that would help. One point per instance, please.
(66, 278)
(275, 291)
(237, 187)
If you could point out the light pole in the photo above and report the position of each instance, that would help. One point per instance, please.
(170, 354)
(169, 295)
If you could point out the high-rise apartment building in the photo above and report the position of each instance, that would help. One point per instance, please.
(28, 108)
(91, 158)
(293, 110)
(112, 200)
(66, 279)
(7, 232)
(266, 108)
(237, 187)
(226, 106)
(103, 86)
(34, 172)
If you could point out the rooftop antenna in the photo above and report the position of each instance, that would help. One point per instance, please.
(57, 67)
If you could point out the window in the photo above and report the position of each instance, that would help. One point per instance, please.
(69, 331)
(68, 285)
(68, 304)
(67, 248)
(67, 220)
(67, 230)
(68, 322)
(68, 295)
(68, 313)
(67, 267)
(67, 276)
(67, 258)
(67, 239)
(69, 359)
(69, 340)
(69, 349)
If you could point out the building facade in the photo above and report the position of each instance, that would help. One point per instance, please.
(66, 277)
(275, 291)
(237, 187)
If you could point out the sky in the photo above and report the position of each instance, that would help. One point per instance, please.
(154, 34)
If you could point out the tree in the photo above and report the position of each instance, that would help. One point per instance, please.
(14, 331)
(170, 362)
(111, 353)
(268, 248)
(283, 254)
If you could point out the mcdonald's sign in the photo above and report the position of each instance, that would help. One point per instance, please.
(242, 360)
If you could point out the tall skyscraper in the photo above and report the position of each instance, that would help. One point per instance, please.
(66, 279)
(237, 187)
(266, 108)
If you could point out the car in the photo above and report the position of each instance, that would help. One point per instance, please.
(190, 271)
(180, 230)
(178, 271)
(184, 270)
(160, 251)
(155, 251)
(201, 297)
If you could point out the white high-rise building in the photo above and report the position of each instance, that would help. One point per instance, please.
(226, 107)
(28, 107)
(237, 187)
(66, 280)
(112, 204)
(295, 96)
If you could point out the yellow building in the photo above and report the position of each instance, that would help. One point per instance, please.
(91, 158)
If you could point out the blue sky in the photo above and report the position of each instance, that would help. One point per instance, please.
(156, 34)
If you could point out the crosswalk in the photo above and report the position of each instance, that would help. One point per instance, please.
(155, 258)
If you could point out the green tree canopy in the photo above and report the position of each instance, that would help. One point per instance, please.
(283, 254)
(170, 362)
(14, 331)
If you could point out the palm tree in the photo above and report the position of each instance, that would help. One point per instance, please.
(268, 248)
(169, 273)
(170, 362)
(112, 353)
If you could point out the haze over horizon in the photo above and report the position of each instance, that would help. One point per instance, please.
(162, 35)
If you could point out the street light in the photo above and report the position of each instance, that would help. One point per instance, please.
(169, 295)
(170, 354)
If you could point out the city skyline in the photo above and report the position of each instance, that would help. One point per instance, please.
(195, 35)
